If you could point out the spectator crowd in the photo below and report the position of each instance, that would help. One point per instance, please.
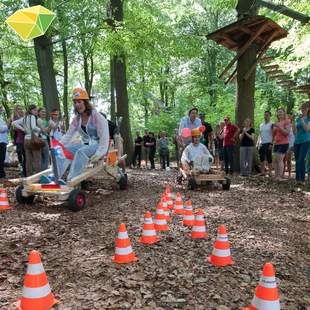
(281, 138)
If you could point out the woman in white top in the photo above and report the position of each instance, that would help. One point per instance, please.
(29, 124)
(94, 131)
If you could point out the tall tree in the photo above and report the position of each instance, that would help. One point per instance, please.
(44, 56)
(119, 61)
(246, 87)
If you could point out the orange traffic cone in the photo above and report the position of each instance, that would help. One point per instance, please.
(221, 251)
(169, 202)
(168, 192)
(160, 221)
(164, 205)
(188, 215)
(123, 249)
(178, 205)
(199, 228)
(37, 294)
(4, 202)
(149, 232)
(266, 293)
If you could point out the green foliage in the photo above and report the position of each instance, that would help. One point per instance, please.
(171, 66)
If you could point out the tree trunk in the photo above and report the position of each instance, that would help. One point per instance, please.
(3, 91)
(116, 9)
(44, 55)
(88, 71)
(245, 88)
(112, 89)
(65, 87)
(122, 102)
(290, 102)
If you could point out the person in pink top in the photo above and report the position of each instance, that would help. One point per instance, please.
(281, 131)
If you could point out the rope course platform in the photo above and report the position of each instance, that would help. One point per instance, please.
(241, 35)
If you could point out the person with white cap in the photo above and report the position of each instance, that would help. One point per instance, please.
(196, 154)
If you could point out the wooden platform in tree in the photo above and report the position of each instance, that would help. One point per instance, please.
(269, 68)
(305, 87)
(258, 28)
(241, 35)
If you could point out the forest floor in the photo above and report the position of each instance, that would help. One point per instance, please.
(265, 222)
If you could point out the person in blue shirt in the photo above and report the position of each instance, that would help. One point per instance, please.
(302, 141)
(4, 128)
(191, 121)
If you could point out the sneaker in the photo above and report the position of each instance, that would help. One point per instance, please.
(61, 182)
(44, 180)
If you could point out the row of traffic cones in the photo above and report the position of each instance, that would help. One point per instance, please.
(266, 295)
(37, 294)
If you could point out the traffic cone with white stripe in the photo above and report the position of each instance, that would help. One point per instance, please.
(188, 215)
(160, 221)
(168, 191)
(164, 205)
(123, 249)
(149, 232)
(169, 202)
(37, 294)
(199, 228)
(4, 202)
(221, 251)
(266, 293)
(178, 205)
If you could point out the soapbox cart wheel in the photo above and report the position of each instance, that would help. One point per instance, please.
(22, 199)
(123, 181)
(77, 200)
(226, 184)
(192, 184)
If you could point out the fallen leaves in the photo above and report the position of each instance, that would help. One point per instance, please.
(264, 222)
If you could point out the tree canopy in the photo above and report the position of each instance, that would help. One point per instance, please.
(171, 65)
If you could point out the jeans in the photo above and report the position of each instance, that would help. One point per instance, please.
(164, 158)
(229, 158)
(246, 160)
(137, 155)
(2, 159)
(300, 151)
(20, 150)
(82, 153)
(45, 156)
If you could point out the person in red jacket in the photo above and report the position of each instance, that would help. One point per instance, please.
(231, 132)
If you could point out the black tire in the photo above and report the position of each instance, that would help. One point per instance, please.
(85, 185)
(77, 200)
(123, 181)
(179, 179)
(192, 185)
(20, 198)
(226, 184)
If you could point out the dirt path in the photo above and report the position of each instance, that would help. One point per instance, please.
(265, 222)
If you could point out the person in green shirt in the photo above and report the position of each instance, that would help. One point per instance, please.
(302, 141)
